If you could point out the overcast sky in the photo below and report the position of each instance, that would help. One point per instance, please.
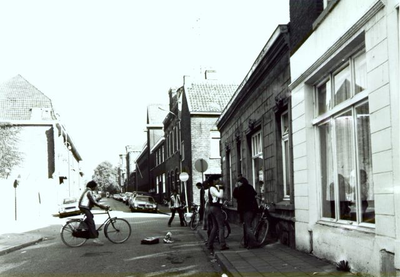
(102, 62)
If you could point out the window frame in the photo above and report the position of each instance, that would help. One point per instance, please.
(258, 139)
(333, 112)
(285, 171)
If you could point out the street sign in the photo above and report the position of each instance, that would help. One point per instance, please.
(201, 165)
(183, 176)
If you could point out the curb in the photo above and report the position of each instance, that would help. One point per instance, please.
(17, 247)
(223, 262)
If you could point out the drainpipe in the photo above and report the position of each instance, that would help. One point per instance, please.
(310, 232)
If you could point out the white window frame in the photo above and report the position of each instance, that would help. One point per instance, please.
(256, 153)
(182, 151)
(215, 137)
(285, 139)
(350, 104)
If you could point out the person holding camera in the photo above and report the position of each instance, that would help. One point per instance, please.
(215, 195)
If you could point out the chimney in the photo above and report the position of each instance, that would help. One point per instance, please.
(187, 81)
(210, 74)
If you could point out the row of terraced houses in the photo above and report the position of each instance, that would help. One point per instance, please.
(314, 127)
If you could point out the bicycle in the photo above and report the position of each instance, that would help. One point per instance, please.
(263, 223)
(74, 232)
(193, 217)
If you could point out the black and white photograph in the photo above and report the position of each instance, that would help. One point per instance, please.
(215, 138)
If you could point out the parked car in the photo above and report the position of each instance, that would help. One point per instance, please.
(126, 196)
(118, 196)
(143, 203)
(69, 207)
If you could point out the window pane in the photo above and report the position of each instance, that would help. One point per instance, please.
(360, 72)
(345, 165)
(328, 188)
(342, 85)
(287, 168)
(324, 97)
(365, 164)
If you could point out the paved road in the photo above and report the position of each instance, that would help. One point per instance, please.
(184, 257)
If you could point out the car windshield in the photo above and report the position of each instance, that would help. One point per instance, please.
(143, 198)
(69, 200)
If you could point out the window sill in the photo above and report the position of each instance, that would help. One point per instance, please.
(344, 225)
(284, 205)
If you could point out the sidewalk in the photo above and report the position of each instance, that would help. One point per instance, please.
(274, 259)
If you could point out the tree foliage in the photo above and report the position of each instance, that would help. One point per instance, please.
(9, 154)
(106, 176)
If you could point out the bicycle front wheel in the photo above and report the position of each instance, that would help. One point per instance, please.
(194, 222)
(262, 231)
(117, 230)
(68, 231)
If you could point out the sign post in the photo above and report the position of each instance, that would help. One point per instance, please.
(184, 177)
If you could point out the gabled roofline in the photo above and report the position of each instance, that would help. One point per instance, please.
(159, 142)
(280, 29)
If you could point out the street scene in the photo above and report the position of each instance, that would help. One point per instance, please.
(174, 138)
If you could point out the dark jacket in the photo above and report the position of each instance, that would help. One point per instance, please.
(246, 197)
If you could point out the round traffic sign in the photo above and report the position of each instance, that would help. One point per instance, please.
(183, 176)
(201, 165)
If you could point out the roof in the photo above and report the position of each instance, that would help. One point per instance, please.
(18, 97)
(209, 96)
(156, 113)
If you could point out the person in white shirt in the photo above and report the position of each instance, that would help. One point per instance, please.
(86, 203)
(215, 195)
(176, 204)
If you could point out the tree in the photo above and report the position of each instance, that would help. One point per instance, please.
(9, 154)
(105, 175)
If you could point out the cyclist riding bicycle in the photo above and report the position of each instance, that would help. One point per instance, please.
(86, 203)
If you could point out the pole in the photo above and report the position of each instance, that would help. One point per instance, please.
(186, 197)
(15, 198)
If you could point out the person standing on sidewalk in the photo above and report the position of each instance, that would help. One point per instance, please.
(201, 209)
(86, 203)
(175, 204)
(215, 195)
(247, 208)
(206, 206)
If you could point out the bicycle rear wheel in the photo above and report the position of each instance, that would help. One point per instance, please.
(117, 230)
(262, 231)
(227, 229)
(67, 233)
(194, 222)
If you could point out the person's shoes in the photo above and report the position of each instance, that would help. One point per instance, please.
(224, 248)
(204, 228)
(169, 225)
(211, 251)
(98, 242)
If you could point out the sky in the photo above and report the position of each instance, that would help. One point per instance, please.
(102, 62)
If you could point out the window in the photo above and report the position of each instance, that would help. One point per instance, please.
(214, 145)
(228, 159)
(343, 127)
(285, 154)
(257, 159)
(182, 151)
(239, 157)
